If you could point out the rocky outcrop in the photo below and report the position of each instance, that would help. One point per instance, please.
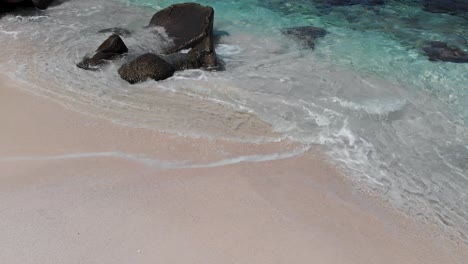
(440, 51)
(110, 49)
(305, 35)
(147, 66)
(189, 27)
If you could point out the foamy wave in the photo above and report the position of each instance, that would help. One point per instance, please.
(374, 107)
(156, 163)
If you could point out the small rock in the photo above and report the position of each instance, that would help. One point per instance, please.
(113, 44)
(440, 51)
(110, 49)
(147, 66)
(116, 30)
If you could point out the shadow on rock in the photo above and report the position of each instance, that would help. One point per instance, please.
(111, 49)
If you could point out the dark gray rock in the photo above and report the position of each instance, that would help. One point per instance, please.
(440, 51)
(201, 56)
(4, 7)
(187, 24)
(113, 44)
(305, 35)
(42, 4)
(205, 55)
(452, 7)
(147, 66)
(11, 5)
(181, 61)
(110, 49)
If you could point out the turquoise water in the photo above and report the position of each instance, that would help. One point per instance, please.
(394, 121)
(384, 41)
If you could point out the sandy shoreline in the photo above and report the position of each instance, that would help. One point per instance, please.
(77, 189)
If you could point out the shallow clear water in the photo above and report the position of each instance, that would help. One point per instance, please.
(395, 121)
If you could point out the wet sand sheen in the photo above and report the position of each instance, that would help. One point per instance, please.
(100, 209)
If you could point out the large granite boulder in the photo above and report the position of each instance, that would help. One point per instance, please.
(187, 24)
(440, 51)
(305, 35)
(147, 66)
(110, 49)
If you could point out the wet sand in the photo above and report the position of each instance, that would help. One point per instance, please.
(78, 189)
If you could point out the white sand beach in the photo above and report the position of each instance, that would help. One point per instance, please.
(78, 189)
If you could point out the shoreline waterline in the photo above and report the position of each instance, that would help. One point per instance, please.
(366, 96)
(148, 214)
(382, 133)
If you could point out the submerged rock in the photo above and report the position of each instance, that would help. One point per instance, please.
(440, 51)
(186, 24)
(116, 30)
(110, 49)
(452, 7)
(352, 2)
(306, 35)
(219, 34)
(147, 66)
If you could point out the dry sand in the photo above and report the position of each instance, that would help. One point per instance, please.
(70, 192)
